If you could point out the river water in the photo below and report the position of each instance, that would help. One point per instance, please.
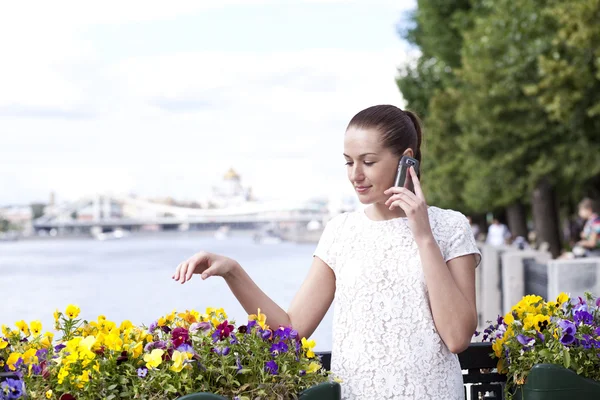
(130, 278)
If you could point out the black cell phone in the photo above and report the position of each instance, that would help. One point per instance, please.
(403, 178)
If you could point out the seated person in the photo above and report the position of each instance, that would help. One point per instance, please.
(589, 245)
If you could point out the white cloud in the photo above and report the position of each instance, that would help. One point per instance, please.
(172, 124)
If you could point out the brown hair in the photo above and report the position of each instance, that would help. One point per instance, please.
(399, 129)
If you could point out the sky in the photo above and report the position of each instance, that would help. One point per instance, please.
(161, 98)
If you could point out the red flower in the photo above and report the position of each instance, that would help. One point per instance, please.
(180, 336)
(223, 330)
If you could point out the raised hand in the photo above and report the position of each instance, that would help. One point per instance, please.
(206, 264)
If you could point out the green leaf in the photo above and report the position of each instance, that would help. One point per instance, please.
(567, 358)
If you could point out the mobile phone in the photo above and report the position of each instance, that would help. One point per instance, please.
(403, 178)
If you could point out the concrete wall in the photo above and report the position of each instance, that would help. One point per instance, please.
(574, 277)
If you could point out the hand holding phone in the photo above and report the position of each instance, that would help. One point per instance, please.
(403, 178)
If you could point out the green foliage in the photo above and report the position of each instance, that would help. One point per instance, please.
(510, 95)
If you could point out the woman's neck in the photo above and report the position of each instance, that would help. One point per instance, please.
(381, 212)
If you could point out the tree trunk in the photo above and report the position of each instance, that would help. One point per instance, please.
(517, 220)
(545, 216)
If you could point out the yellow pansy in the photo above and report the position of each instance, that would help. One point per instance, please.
(57, 315)
(22, 325)
(137, 349)
(308, 345)
(528, 321)
(562, 298)
(313, 367)
(29, 357)
(541, 322)
(82, 379)
(36, 327)
(63, 373)
(113, 341)
(49, 394)
(3, 344)
(5, 330)
(154, 359)
(12, 360)
(497, 346)
(179, 358)
(260, 318)
(47, 340)
(72, 311)
(125, 325)
(509, 318)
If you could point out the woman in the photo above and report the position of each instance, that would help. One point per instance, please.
(402, 275)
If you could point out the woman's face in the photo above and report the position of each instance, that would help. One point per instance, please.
(371, 167)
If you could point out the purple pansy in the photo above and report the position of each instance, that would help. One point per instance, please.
(12, 389)
(234, 339)
(36, 369)
(278, 348)
(583, 317)
(266, 334)
(186, 348)
(271, 367)
(41, 354)
(200, 326)
(153, 327)
(142, 372)
(525, 341)
(568, 332)
(155, 345)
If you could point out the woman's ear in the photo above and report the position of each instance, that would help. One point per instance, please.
(409, 152)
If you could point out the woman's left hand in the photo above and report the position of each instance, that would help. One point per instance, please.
(413, 205)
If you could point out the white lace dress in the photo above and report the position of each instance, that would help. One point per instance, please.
(385, 345)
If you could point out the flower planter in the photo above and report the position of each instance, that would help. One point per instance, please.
(322, 391)
(553, 382)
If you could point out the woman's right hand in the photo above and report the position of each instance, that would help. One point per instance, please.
(206, 264)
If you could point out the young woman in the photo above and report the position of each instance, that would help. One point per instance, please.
(402, 275)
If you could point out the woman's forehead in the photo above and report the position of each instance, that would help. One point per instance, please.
(362, 140)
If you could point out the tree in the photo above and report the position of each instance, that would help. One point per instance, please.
(428, 86)
(520, 139)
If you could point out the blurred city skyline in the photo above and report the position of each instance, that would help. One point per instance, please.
(161, 100)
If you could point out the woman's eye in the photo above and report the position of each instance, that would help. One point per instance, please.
(349, 163)
(369, 163)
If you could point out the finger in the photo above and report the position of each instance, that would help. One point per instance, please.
(176, 274)
(397, 190)
(191, 266)
(416, 183)
(182, 272)
(401, 203)
(212, 270)
(407, 196)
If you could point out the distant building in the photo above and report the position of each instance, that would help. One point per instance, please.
(19, 217)
(230, 191)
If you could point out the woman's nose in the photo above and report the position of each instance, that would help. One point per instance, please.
(357, 174)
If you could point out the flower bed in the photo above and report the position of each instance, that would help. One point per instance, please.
(564, 332)
(178, 354)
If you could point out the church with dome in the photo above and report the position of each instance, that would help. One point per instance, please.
(229, 191)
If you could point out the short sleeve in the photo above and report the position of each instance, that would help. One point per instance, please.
(462, 241)
(327, 247)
